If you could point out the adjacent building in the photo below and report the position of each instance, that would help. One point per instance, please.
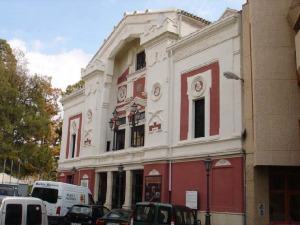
(271, 110)
(154, 105)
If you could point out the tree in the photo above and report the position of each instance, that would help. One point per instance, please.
(28, 115)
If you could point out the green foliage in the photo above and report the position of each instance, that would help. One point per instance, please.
(73, 88)
(29, 125)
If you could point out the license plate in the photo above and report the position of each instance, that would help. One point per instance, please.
(75, 223)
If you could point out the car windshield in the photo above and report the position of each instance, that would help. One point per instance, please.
(81, 210)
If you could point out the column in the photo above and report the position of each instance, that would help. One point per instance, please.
(128, 190)
(109, 189)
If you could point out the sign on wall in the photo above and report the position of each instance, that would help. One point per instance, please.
(191, 199)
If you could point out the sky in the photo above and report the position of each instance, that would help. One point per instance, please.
(59, 37)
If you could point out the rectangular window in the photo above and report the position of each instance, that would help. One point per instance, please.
(120, 140)
(199, 118)
(46, 194)
(73, 145)
(284, 187)
(13, 214)
(164, 215)
(140, 60)
(137, 136)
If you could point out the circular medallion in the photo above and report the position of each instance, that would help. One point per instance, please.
(74, 126)
(156, 91)
(122, 92)
(198, 86)
(89, 115)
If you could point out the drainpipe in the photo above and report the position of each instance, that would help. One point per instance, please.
(170, 119)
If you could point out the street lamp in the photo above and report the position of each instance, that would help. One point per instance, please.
(120, 170)
(73, 173)
(114, 123)
(208, 165)
(134, 116)
(231, 75)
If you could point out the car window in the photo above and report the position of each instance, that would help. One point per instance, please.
(183, 215)
(8, 191)
(188, 217)
(179, 216)
(81, 209)
(34, 214)
(13, 214)
(144, 213)
(164, 215)
(126, 214)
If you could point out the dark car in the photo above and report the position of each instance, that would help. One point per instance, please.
(84, 214)
(155, 213)
(116, 217)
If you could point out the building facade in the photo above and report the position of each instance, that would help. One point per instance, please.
(272, 111)
(155, 104)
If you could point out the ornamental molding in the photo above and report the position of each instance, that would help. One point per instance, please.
(74, 127)
(93, 68)
(62, 175)
(205, 38)
(154, 172)
(156, 91)
(223, 162)
(122, 93)
(206, 32)
(198, 86)
(89, 115)
(87, 141)
(155, 122)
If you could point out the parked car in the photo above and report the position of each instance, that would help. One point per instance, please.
(84, 214)
(22, 211)
(116, 217)
(59, 197)
(155, 213)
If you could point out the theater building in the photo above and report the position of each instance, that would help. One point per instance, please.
(155, 103)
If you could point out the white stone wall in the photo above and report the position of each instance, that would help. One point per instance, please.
(167, 59)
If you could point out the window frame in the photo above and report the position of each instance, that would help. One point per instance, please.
(137, 136)
(199, 115)
(140, 60)
(283, 174)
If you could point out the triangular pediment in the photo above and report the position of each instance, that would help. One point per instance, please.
(228, 12)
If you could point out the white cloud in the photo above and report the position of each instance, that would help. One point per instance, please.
(17, 43)
(64, 68)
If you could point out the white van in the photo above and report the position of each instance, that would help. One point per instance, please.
(22, 211)
(60, 197)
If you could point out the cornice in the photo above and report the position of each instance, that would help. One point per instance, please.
(204, 33)
(71, 96)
